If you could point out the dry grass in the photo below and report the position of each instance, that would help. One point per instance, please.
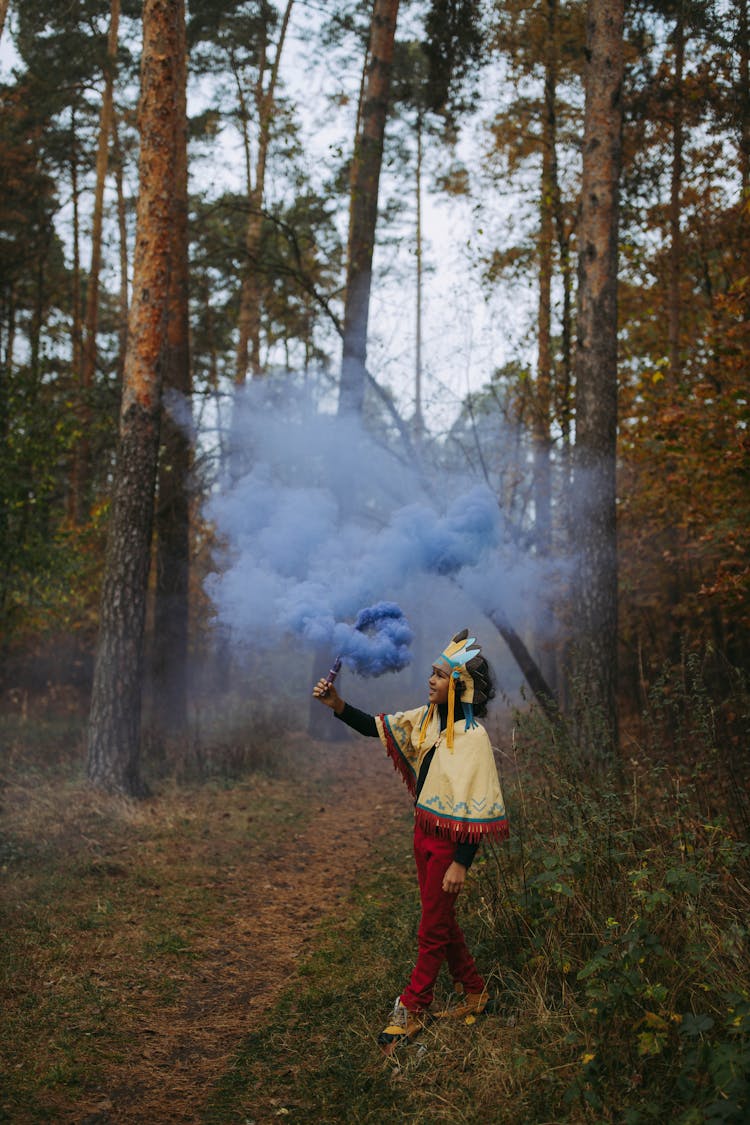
(143, 941)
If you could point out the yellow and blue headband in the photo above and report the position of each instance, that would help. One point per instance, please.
(453, 660)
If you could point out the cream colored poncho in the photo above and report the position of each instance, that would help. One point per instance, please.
(461, 794)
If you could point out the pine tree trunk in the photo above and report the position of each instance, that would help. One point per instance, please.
(171, 614)
(368, 157)
(594, 491)
(82, 468)
(114, 721)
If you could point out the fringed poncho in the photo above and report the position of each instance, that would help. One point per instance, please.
(461, 794)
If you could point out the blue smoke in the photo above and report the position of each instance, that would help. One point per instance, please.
(324, 523)
(378, 642)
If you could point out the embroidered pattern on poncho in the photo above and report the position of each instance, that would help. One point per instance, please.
(461, 794)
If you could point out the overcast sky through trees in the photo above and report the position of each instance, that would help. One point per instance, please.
(468, 330)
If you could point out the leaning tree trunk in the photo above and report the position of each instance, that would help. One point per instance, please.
(114, 722)
(594, 491)
(368, 158)
(171, 611)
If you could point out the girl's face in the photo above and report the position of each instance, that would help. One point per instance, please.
(438, 685)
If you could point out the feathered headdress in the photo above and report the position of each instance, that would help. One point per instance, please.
(454, 660)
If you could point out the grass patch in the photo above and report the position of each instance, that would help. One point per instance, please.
(316, 1057)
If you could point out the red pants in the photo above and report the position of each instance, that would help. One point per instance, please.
(439, 938)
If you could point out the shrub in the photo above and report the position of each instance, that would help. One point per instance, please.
(619, 911)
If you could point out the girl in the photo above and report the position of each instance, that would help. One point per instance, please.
(446, 760)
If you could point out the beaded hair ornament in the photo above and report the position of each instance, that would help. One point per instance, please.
(453, 660)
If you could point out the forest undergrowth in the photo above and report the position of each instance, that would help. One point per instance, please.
(613, 925)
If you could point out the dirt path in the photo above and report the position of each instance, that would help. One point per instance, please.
(278, 899)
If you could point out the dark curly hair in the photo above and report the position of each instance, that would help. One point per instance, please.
(481, 674)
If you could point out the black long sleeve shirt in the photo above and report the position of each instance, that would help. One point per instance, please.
(365, 724)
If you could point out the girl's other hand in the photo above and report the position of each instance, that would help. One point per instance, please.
(454, 878)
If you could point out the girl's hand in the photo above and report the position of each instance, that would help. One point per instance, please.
(454, 878)
(327, 694)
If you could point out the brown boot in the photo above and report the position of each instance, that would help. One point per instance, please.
(468, 1004)
(403, 1027)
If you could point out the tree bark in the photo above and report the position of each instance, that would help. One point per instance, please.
(114, 721)
(88, 360)
(594, 492)
(368, 158)
(249, 320)
(171, 611)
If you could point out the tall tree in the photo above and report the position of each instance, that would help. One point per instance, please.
(363, 212)
(594, 499)
(171, 611)
(87, 370)
(243, 45)
(430, 79)
(547, 196)
(249, 319)
(542, 406)
(536, 134)
(114, 721)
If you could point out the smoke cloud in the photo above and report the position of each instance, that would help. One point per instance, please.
(321, 521)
